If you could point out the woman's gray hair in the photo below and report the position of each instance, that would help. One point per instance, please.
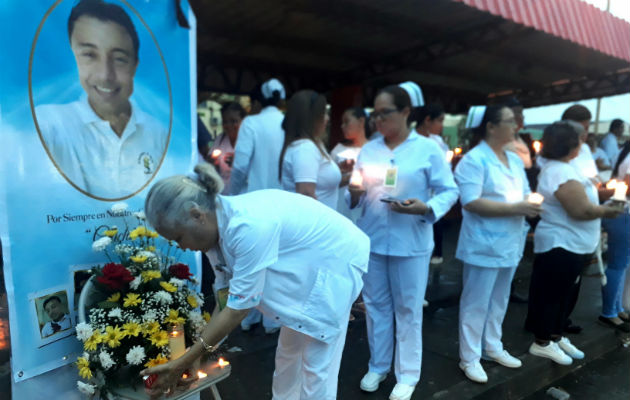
(170, 199)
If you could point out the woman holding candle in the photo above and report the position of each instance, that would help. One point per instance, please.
(221, 153)
(613, 313)
(305, 165)
(493, 188)
(564, 242)
(300, 265)
(406, 185)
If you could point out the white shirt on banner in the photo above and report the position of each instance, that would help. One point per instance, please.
(491, 241)
(293, 258)
(64, 324)
(305, 163)
(93, 156)
(557, 228)
(257, 152)
(422, 173)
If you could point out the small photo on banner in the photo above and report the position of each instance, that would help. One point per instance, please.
(54, 320)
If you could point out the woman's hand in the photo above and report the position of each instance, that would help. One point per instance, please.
(355, 194)
(410, 206)
(169, 376)
(527, 209)
(346, 166)
(612, 210)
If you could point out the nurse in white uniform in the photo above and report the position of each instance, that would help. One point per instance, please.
(293, 258)
(409, 168)
(493, 189)
(306, 166)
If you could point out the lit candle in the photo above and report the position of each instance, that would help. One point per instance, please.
(223, 363)
(449, 156)
(356, 179)
(612, 184)
(458, 151)
(535, 198)
(620, 191)
(215, 154)
(176, 341)
(537, 145)
(201, 374)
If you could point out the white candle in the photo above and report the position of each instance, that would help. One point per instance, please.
(449, 156)
(535, 198)
(223, 363)
(176, 341)
(537, 145)
(620, 191)
(356, 179)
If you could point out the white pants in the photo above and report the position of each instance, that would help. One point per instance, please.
(394, 287)
(306, 368)
(254, 316)
(482, 307)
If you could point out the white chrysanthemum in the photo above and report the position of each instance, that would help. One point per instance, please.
(177, 282)
(150, 315)
(196, 320)
(86, 355)
(101, 244)
(136, 355)
(115, 313)
(145, 253)
(106, 360)
(86, 388)
(135, 283)
(119, 207)
(140, 215)
(163, 297)
(84, 331)
(200, 300)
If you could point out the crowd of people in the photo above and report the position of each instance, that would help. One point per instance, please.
(364, 218)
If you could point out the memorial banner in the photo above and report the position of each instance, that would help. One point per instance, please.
(97, 102)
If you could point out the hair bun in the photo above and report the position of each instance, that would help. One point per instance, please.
(209, 178)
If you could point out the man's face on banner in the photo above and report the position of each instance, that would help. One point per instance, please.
(106, 61)
(54, 310)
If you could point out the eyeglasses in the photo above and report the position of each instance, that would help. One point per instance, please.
(383, 113)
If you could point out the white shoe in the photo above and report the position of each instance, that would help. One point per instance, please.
(370, 381)
(474, 371)
(568, 347)
(402, 392)
(504, 358)
(436, 260)
(551, 351)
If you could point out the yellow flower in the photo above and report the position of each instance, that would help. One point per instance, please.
(160, 359)
(168, 287)
(112, 336)
(159, 338)
(132, 299)
(150, 275)
(206, 316)
(151, 234)
(192, 300)
(150, 248)
(133, 235)
(84, 368)
(150, 328)
(114, 297)
(111, 232)
(138, 259)
(93, 341)
(131, 329)
(138, 232)
(174, 318)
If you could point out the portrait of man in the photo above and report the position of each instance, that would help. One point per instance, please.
(58, 318)
(102, 142)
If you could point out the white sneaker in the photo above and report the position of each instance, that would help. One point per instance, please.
(551, 351)
(402, 392)
(504, 358)
(474, 371)
(370, 381)
(568, 347)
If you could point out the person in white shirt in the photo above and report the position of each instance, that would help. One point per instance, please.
(221, 154)
(599, 155)
(103, 144)
(290, 256)
(306, 167)
(610, 142)
(260, 139)
(493, 188)
(59, 320)
(564, 241)
(404, 186)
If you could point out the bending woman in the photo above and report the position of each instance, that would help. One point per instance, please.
(294, 259)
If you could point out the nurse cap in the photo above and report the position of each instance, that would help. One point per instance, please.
(415, 93)
(475, 116)
(270, 86)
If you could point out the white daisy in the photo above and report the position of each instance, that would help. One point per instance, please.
(119, 207)
(140, 215)
(136, 355)
(101, 244)
(86, 388)
(84, 331)
(106, 360)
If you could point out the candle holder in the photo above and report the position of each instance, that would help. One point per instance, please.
(176, 340)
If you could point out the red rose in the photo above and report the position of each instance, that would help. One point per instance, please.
(115, 276)
(180, 271)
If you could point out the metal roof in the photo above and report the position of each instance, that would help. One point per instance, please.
(460, 51)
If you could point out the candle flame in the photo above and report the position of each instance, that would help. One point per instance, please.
(537, 145)
(201, 374)
(356, 179)
(184, 376)
(216, 153)
(612, 184)
(449, 156)
(458, 151)
(535, 198)
(174, 333)
(223, 363)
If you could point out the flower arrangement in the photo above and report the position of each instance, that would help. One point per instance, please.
(145, 293)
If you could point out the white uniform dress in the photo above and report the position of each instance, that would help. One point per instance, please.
(93, 157)
(304, 163)
(401, 246)
(257, 152)
(490, 247)
(301, 264)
